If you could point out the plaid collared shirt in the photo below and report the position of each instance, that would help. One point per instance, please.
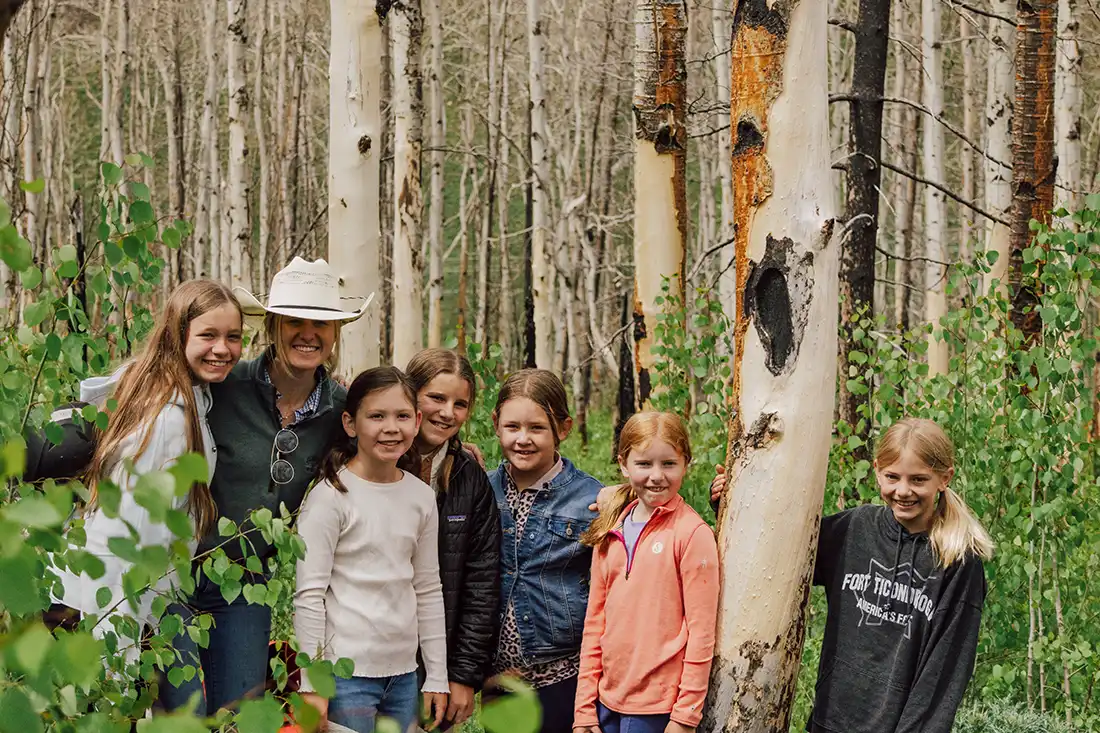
(312, 402)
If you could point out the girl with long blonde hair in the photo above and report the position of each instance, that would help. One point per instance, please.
(905, 584)
(162, 399)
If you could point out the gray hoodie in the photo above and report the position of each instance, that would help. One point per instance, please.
(902, 632)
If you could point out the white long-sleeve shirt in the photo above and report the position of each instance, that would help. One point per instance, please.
(368, 588)
(167, 442)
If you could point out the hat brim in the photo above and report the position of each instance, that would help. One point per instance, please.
(251, 306)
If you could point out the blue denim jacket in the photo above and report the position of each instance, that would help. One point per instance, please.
(545, 573)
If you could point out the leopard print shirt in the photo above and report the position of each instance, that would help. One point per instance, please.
(509, 658)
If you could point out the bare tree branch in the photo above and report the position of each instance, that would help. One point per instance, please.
(843, 23)
(703, 257)
(979, 11)
(921, 108)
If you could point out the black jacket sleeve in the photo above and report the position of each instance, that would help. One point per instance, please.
(476, 628)
(948, 660)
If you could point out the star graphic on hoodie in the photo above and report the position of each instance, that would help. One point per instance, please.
(878, 607)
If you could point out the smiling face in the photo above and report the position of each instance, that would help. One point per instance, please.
(384, 428)
(214, 343)
(912, 489)
(527, 438)
(655, 472)
(306, 344)
(444, 403)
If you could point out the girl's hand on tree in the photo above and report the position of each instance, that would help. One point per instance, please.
(321, 704)
(460, 706)
(674, 727)
(435, 707)
(475, 453)
(718, 485)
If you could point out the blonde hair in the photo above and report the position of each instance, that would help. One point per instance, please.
(272, 324)
(542, 387)
(426, 365)
(955, 531)
(638, 433)
(156, 377)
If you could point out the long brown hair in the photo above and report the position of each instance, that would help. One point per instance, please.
(542, 387)
(156, 377)
(426, 365)
(955, 531)
(639, 431)
(343, 447)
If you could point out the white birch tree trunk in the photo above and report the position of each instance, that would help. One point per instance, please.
(1068, 99)
(408, 203)
(784, 360)
(998, 117)
(29, 172)
(935, 205)
(263, 254)
(240, 175)
(660, 159)
(540, 198)
(438, 137)
(207, 228)
(8, 153)
(119, 82)
(355, 145)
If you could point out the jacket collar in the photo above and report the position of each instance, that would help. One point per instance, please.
(662, 511)
(254, 372)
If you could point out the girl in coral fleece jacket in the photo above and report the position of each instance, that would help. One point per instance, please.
(649, 631)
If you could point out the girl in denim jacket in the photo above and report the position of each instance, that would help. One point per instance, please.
(544, 505)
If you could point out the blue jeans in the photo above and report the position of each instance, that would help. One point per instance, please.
(234, 665)
(360, 701)
(612, 722)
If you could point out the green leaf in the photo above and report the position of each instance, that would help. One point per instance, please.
(180, 722)
(17, 715)
(19, 591)
(112, 174)
(30, 278)
(103, 597)
(344, 668)
(141, 212)
(171, 237)
(226, 527)
(518, 712)
(37, 312)
(13, 456)
(34, 512)
(190, 469)
(31, 648)
(230, 589)
(260, 716)
(14, 250)
(38, 185)
(66, 253)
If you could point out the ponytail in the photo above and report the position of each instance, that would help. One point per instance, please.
(956, 532)
(597, 532)
(339, 453)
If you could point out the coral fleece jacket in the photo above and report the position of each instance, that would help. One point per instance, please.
(649, 631)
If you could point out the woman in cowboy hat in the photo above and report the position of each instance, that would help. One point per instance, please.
(272, 419)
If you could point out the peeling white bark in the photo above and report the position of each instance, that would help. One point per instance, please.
(540, 197)
(784, 362)
(355, 148)
(436, 157)
(1068, 100)
(240, 177)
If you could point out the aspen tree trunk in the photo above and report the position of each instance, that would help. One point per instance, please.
(106, 79)
(864, 179)
(540, 198)
(207, 228)
(408, 204)
(355, 140)
(494, 42)
(168, 67)
(1033, 159)
(660, 157)
(438, 138)
(120, 80)
(462, 324)
(1068, 97)
(263, 254)
(970, 128)
(240, 175)
(386, 194)
(8, 155)
(935, 205)
(998, 119)
(784, 361)
(506, 323)
(29, 172)
(722, 22)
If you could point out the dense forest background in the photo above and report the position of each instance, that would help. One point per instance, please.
(212, 118)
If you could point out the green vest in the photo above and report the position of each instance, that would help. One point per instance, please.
(244, 421)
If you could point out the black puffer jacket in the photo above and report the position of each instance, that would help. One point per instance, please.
(469, 566)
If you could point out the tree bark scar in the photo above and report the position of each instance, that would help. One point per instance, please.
(640, 333)
(777, 299)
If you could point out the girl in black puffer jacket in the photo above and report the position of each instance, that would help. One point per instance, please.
(469, 524)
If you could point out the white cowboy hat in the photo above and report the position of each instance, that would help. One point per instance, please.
(303, 290)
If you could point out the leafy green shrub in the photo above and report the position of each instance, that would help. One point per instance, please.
(997, 717)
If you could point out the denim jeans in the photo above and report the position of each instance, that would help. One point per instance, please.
(234, 665)
(612, 722)
(360, 701)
